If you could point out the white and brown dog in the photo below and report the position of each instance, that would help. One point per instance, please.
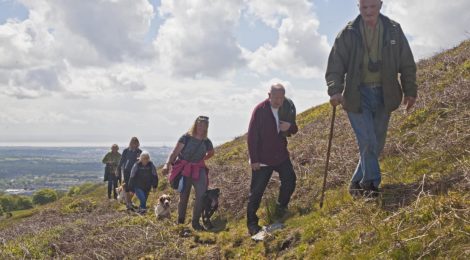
(121, 191)
(162, 210)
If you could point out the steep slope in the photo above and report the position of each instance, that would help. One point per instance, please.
(424, 211)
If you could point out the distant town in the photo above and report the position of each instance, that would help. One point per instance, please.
(23, 170)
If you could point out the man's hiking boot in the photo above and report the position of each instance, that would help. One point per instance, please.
(370, 191)
(355, 190)
(254, 229)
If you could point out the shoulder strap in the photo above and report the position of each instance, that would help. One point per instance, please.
(195, 150)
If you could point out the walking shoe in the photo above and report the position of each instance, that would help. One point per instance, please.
(355, 189)
(141, 211)
(198, 227)
(280, 213)
(254, 229)
(131, 207)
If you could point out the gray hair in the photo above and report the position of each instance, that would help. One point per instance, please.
(145, 154)
(277, 87)
(358, 1)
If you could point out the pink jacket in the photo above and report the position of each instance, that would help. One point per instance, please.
(188, 169)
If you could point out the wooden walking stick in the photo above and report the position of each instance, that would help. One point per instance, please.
(328, 156)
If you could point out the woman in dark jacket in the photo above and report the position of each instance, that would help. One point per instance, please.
(129, 157)
(143, 178)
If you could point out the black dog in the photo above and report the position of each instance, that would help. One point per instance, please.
(209, 206)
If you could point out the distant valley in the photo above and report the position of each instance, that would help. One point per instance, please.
(24, 170)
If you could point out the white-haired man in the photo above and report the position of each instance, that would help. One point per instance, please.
(367, 58)
(267, 145)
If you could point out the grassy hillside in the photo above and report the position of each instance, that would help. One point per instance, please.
(424, 211)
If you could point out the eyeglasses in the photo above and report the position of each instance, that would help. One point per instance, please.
(203, 118)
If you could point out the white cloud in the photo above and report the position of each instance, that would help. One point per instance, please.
(197, 37)
(87, 68)
(114, 29)
(75, 48)
(300, 50)
(434, 25)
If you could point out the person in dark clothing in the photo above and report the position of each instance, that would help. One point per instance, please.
(112, 160)
(143, 178)
(188, 158)
(129, 157)
(267, 146)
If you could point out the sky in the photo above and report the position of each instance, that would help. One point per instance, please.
(96, 72)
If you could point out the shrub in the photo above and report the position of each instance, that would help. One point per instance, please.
(8, 203)
(80, 205)
(44, 196)
(82, 189)
(24, 202)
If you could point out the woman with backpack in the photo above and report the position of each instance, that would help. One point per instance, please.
(188, 160)
(143, 178)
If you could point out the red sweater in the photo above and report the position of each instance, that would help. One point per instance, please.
(188, 169)
(265, 144)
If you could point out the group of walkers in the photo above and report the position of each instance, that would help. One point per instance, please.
(139, 175)
(370, 71)
(134, 170)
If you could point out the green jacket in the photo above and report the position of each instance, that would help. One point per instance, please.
(345, 64)
(114, 158)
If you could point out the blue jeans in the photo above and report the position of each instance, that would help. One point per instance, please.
(142, 196)
(370, 127)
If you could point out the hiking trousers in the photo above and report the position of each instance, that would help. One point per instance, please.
(200, 186)
(370, 127)
(259, 181)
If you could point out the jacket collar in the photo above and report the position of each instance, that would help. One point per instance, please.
(354, 24)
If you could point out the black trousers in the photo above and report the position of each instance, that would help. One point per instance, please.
(127, 177)
(259, 181)
(112, 185)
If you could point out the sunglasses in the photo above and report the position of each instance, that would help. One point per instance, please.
(203, 118)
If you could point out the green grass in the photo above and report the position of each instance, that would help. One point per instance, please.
(313, 114)
(17, 216)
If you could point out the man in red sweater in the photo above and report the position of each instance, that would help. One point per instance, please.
(267, 145)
